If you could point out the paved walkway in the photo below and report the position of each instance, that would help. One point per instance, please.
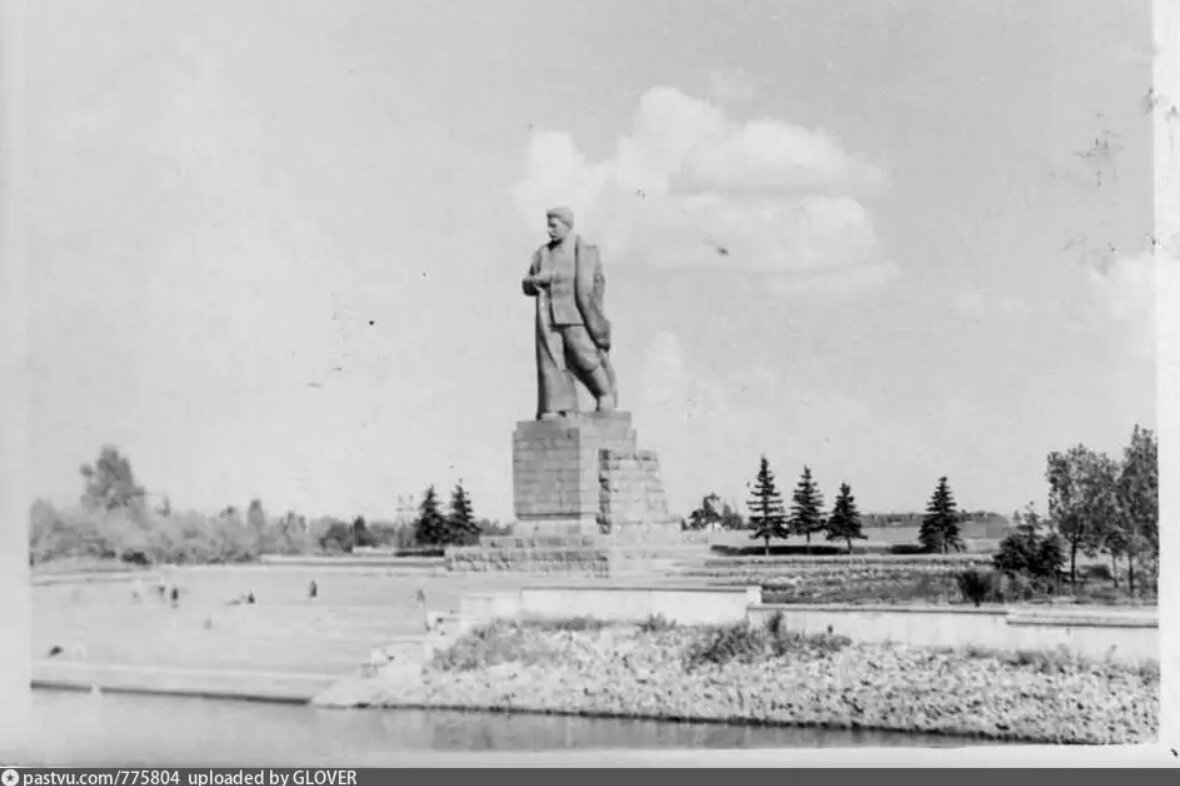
(207, 683)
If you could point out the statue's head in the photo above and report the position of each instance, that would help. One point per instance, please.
(561, 221)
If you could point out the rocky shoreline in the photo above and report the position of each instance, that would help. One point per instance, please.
(627, 671)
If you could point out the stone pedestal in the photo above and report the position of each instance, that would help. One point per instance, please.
(587, 501)
(585, 476)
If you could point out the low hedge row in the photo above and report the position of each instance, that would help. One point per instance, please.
(828, 550)
(892, 560)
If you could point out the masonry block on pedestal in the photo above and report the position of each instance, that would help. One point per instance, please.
(584, 475)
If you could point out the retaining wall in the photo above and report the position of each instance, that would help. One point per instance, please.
(683, 605)
(1123, 636)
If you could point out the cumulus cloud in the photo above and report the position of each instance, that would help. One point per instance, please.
(690, 187)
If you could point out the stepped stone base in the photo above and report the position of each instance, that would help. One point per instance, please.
(601, 556)
(587, 501)
(585, 475)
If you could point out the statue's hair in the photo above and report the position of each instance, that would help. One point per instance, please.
(562, 214)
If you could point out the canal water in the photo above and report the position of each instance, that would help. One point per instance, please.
(75, 728)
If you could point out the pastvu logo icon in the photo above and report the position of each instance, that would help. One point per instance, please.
(9, 777)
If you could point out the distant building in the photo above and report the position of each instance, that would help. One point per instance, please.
(407, 509)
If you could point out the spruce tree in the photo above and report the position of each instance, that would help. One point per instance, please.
(806, 508)
(431, 528)
(940, 525)
(461, 525)
(844, 523)
(768, 518)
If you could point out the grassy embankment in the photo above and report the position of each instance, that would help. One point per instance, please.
(770, 675)
(877, 573)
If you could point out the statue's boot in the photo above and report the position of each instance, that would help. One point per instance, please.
(601, 383)
(610, 375)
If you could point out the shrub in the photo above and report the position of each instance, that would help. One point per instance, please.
(490, 645)
(656, 623)
(779, 550)
(1016, 554)
(1104, 595)
(1149, 575)
(340, 537)
(745, 643)
(421, 551)
(979, 587)
(885, 585)
(1148, 671)
(572, 624)
(1020, 587)
(1028, 552)
(1097, 572)
(783, 641)
(721, 644)
(135, 557)
(777, 623)
(1050, 557)
(807, 644)
(1058, 661)
(978, 651)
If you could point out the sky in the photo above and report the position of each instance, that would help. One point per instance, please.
(275, 249)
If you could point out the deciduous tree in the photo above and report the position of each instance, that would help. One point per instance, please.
(256, 516)
(730, 518)
(1082, 499)
(1138, 500)
(1034, 549)
(110, 482)
(707, 515)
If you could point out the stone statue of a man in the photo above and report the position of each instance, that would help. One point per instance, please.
(573, 333)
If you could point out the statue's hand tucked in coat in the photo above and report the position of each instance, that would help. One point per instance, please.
(536, 280)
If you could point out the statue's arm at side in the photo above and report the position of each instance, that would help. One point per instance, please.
(588, 294)
(530, 288)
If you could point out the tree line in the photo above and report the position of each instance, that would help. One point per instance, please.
(114, 519)
(1098, 505)
(770, 519)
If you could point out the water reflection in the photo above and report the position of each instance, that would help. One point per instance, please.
(119, 729)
